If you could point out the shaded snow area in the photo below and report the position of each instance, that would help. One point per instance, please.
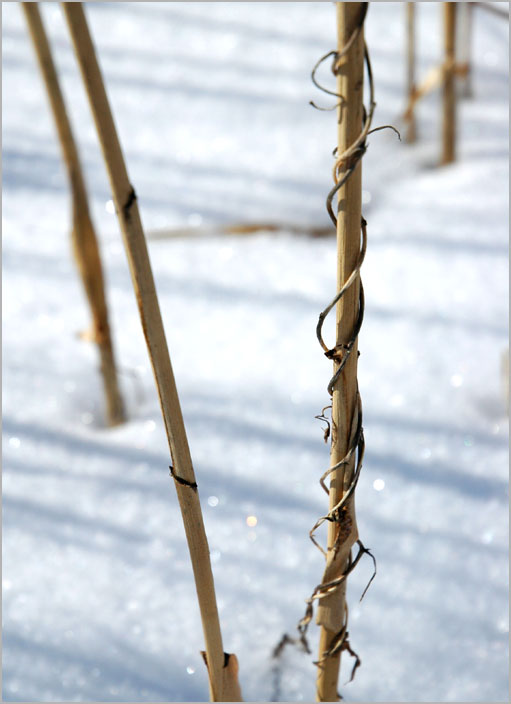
(211, 101)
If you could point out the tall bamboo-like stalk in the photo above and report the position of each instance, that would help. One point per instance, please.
(222, 669)
(449, 92)
(411, 132)
(464, 47)
(84, 240)
(332, 609)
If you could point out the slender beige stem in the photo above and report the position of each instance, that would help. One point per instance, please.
(332, 609)
(463, 48)
(411, 132)
(143, 282)
(84, 240)
(449, 93)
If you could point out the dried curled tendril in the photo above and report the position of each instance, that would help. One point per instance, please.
(344, 166)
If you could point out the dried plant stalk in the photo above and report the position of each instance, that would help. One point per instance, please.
(463, 48)
(449, 93)
(84, 240)
(411, 132)
(221, 674)
(332, 610)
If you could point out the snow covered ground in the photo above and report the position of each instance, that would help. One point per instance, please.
(211, 101)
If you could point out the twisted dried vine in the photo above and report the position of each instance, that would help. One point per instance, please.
(344, 166)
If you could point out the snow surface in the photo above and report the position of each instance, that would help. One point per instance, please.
(211, 101)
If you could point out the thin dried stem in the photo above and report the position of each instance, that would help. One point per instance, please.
(347, 437)
(449, 92)
(84, 240)
(411, 132)
(221, 673)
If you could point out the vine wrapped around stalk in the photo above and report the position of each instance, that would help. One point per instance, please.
(339, 560)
